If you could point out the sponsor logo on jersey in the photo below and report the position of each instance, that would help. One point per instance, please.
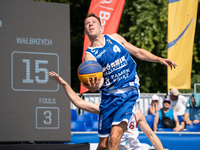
(109, 41)
(93, 50)
(96, 52)
(101, 53)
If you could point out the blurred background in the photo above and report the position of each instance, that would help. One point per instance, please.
(144, 24)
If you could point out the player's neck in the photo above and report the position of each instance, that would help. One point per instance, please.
(97, 41)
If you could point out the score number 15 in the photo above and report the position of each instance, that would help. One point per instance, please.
(30, 71)
(37, 70)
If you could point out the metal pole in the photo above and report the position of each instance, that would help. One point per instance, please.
(195, 84)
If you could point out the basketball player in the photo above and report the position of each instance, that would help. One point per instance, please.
(120, 88)
(129, 139)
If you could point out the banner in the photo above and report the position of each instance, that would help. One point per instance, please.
(181, 30)
(110, 12)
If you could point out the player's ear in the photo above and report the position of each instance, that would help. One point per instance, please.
(101, 28)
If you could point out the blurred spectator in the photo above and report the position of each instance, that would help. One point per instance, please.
(154, 107)
(192, 112)
(158, 120)
(178, 102)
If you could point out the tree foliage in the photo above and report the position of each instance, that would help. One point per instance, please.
(144, 24)
(147, 29)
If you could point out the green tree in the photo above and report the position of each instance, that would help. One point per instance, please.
(147, 29)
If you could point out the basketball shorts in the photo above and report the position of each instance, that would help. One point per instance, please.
(115, 108)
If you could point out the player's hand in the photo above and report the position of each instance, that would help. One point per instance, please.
(56, 77)
(168, 63)
(93, 85)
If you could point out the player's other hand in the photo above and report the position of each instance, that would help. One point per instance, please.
(168, 63)
(56, 77)
(94, 84)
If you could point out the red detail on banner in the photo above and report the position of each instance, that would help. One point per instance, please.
(110, 12)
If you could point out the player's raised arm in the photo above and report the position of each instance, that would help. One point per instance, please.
(142, 53)
(74, 98)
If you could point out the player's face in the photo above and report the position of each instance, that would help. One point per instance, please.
(92, 26)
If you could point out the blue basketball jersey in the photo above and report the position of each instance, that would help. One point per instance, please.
(119, 69)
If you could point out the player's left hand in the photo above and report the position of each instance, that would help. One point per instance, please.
(168, 63)
(94, 84)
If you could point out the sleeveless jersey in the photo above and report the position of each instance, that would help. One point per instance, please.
(119, 69)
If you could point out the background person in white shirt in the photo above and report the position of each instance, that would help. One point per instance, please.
(178, 103)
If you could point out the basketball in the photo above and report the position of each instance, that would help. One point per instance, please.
(89, 69)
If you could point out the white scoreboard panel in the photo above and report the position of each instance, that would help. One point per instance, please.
(34, 39)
